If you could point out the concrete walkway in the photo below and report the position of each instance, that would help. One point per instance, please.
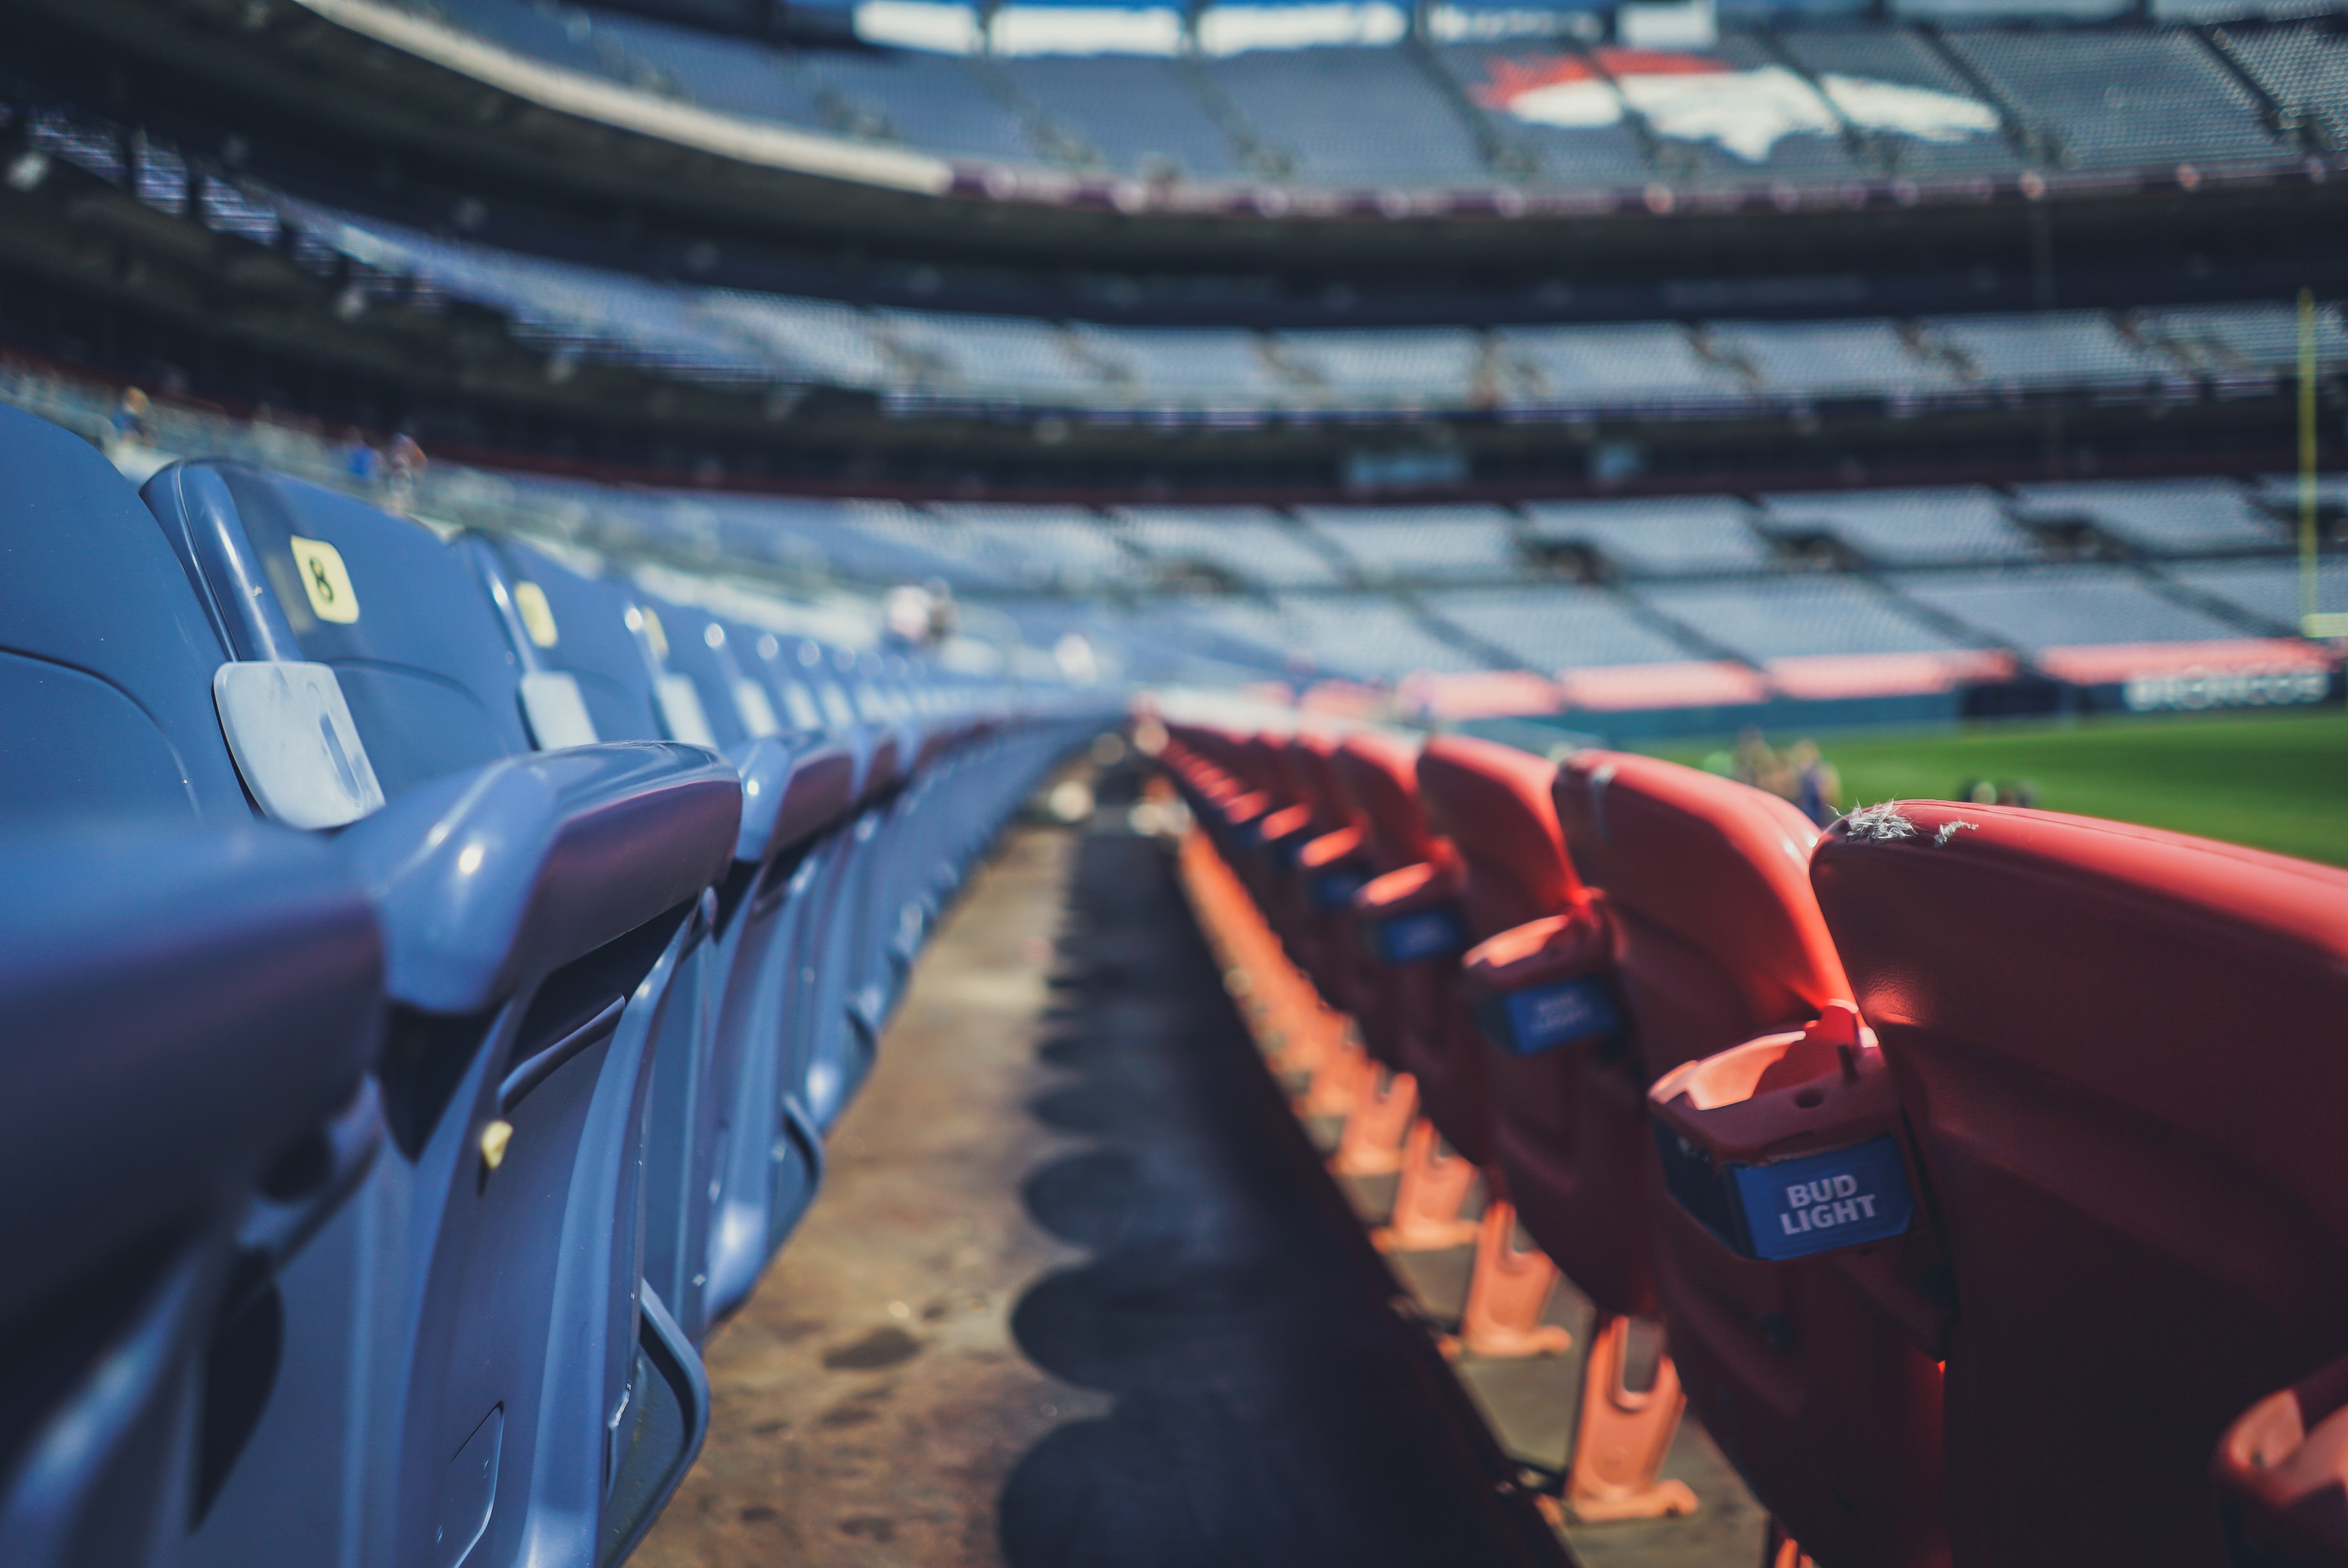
(1077, 1292)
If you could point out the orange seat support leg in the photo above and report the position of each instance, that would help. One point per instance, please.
(1372, 1145)
(1623, 1435)
(1507, 1294)
(1310, 1034)
(1779, 1549)
(1342, 1080)
(1434, 1187)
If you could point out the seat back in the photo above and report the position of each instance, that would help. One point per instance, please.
(106, 651)
(577, 624)
(2146, 1234)
(1718, 937)
(293, 570)
(1258, 762)
(1827, 1405)
(1379, 775)
(700, 648)
(1491, 804)
(1316, 750)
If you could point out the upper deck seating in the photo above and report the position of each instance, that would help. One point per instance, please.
(1642, 366)
(2046, 349)
(1684, 536)
(1849, 61)
(1137, 114)
(1250, 546)
(1420, 543)
(2267, 589)
(2174, 517)
(2064, 607)
(1361, 636)
(931, 101)
(1392, 365)
(1557, 625)
(1827, 360)
(1798, 616)
(1350, 114)
(1907, 527)
(2112, 99)
(2127, 1140)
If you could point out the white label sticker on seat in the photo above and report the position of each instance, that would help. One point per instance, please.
(555, 711)
(758, 713)
(291, 733)
(805, 714)
(681, 712)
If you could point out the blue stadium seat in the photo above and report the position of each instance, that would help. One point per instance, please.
(185, 1019)
(732, 1158)
(516, 1386)
(443, 1332)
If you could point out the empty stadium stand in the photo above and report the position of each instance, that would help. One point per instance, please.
(548, 545)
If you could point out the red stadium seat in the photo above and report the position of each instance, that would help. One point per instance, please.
(1412, 876)
(2118, 1049)
(1492, 804)
(1823, 1399)
(1380, 780)
(1331, 867)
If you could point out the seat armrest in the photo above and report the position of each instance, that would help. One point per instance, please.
(1246, 807)
(792, 797)
(1557, 948)
(1285, 824)
(2281, 1473)
(823, 792)
(1424, 885)
(175, 1007)
(1789, 1144)
(1546, 983)
(1334, 869)
(484, 878)
(1330, 848)
(1412, 916)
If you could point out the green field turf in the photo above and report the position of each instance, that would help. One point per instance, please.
(2276, 782)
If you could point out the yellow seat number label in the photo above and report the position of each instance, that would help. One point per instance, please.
(537, 615)
(325, 580)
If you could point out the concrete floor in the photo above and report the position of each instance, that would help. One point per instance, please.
(1077, 1292)
(869, 1401)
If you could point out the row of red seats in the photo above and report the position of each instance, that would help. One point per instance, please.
(1982, 1166)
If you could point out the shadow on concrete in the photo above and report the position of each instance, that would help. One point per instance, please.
(1270, 1407)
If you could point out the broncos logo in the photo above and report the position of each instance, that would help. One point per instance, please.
(1696, 97)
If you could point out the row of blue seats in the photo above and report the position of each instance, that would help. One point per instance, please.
(426, 975)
